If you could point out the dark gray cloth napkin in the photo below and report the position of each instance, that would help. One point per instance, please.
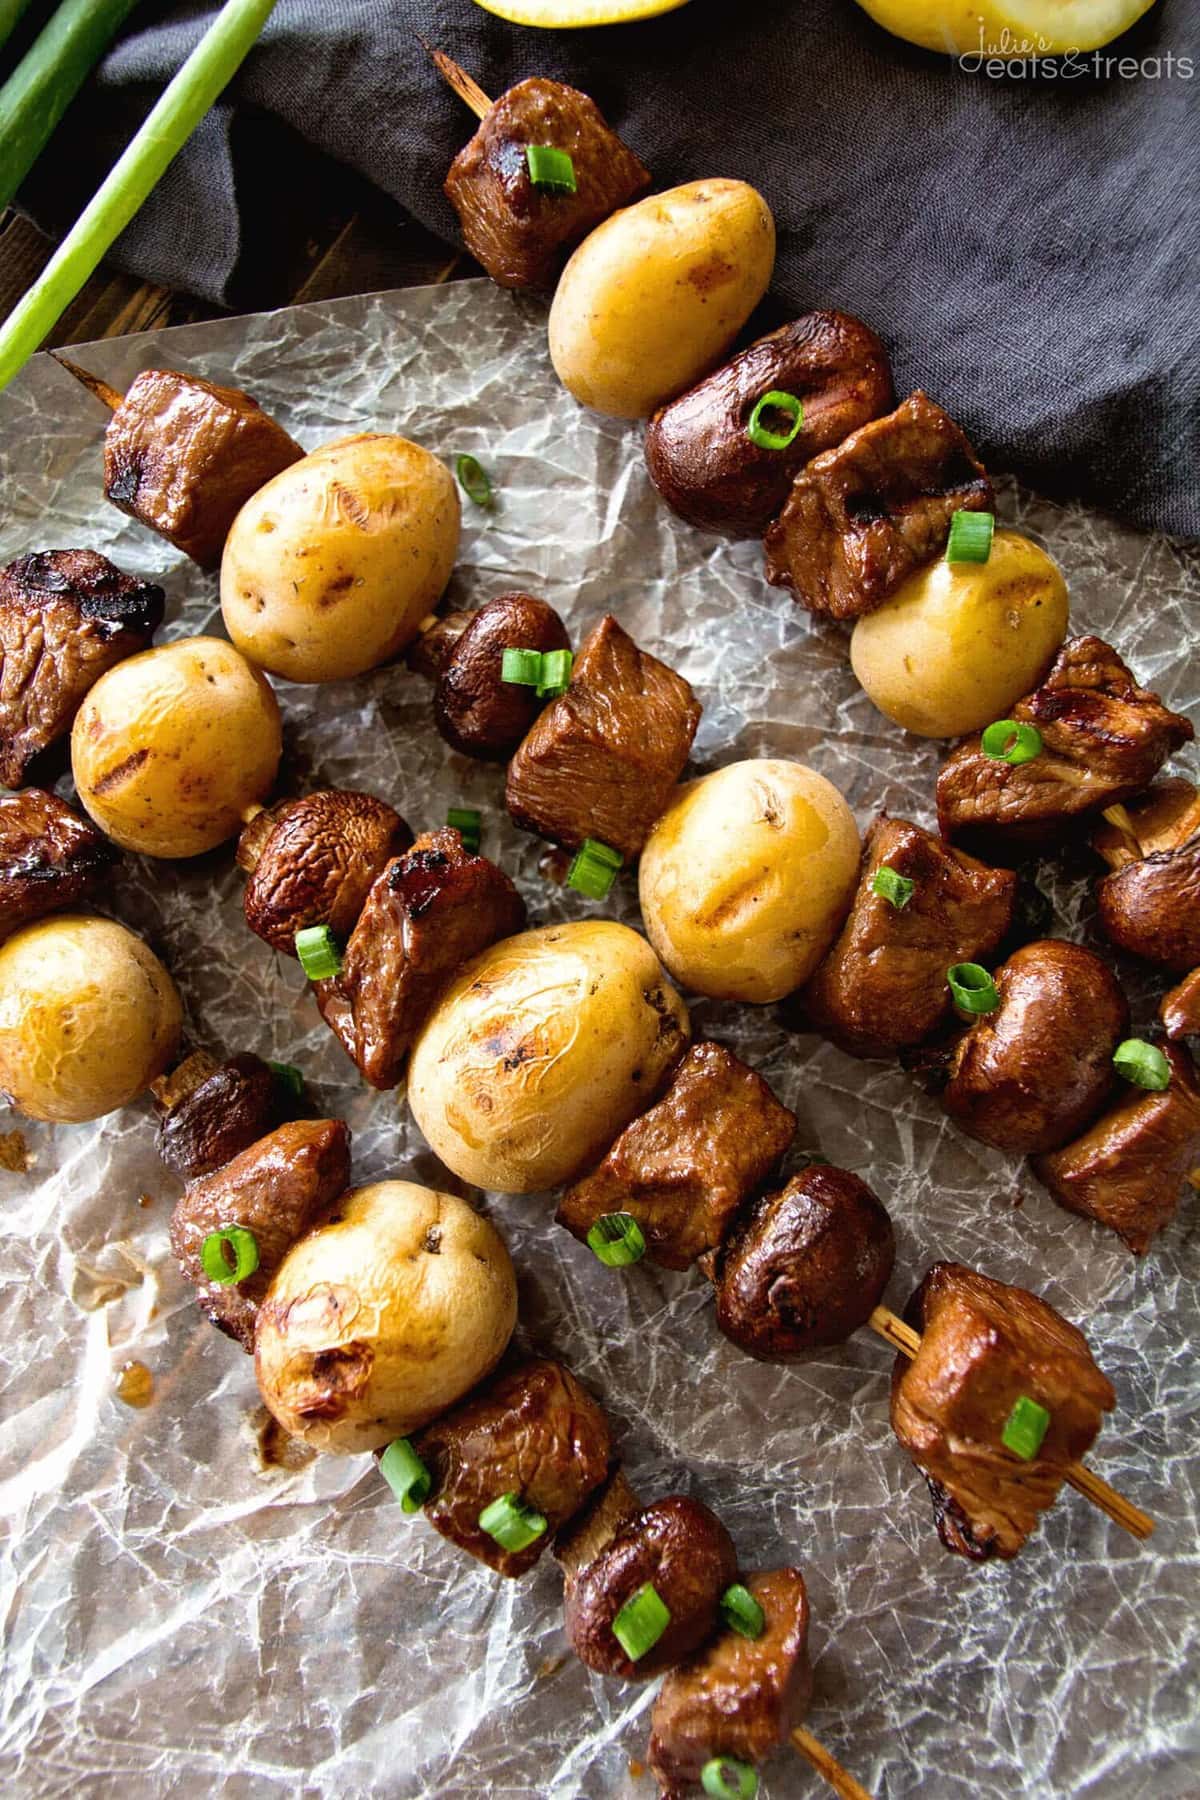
(1027, 247)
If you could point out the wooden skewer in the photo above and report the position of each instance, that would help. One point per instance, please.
(1118, 817)
(455, 76)
(1122, 1512)
(839, 1779)
(93, 383)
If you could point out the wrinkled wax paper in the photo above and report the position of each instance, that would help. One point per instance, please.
(181, 1617)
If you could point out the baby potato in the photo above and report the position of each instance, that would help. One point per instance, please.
(330, 568)
(957, 643)
(746, 878)
(88, 1017)
(542, 1050)
(656, 295)
(383, 1316)
(172, 747)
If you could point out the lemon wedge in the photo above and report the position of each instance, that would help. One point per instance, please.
(1009, 29)
(568, 14)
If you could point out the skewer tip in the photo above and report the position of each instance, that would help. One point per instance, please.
(840, 1780)
(94, 384)
(456, 77)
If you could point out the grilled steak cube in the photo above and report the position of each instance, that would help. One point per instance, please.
(1150, 904)
(521, 233)
(602, 759)
(49, 857)
(66, 616)
(863, 516)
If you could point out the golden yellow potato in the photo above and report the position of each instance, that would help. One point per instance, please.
(957, 643)
(88, 1017)
(1006, 29)
(541, 1051)
(656, 295)
(330, 568)
(171, 747)
(382, 1318)
(747, 877)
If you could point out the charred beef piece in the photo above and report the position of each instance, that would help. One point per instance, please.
(474, 709)
(685, 1553)
(1032, 1074)
(862, 516)
(602, 759)
(983, 1346)
(705, 466)
(1150, 904)
(1127, 1172)
(212, 1112)
(1103, 740)
(1180, 1009)
(882, 987)
(66, 616)
(183, 456)
(49, 857)
(521, 233)
(427, 914)
(317, 863)
(684, 1167)
(277, 1189)
(533, 1432)
(739, 1697)
(805, 1267)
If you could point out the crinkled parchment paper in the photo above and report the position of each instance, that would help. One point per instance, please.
(179, 1618)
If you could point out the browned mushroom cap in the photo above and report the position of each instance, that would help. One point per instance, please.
(685, 1553)
(1180, 1009)
(1150, 905)
(475, 711)
(276, 1189)
(806, 1267)
(317, 865)
(229, 1108)
(1035, 1072)
(49, 857)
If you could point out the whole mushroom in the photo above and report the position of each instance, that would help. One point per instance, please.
(475, 709)
(316, 862)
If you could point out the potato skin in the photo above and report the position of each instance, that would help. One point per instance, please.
(541, 1051)
(656, 295)
(88, 1017)
(746, 878)
(330, 568)
(958, 643)
(383, 1316)
(172, 746)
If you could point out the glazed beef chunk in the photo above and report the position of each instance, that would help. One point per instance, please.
(882, 987)
(1127, 1172)
(864, 515)
(66, 616)
(50, 857)
(685, 1167)
(277, 1189)
(602, 759)
(427, 914)
(532, 1432)
(983, 1347)
(1180, 1009)
(1031, 1075)
(738, 1697)
(212, 1111)
(183, 456)
(697, 450)
(1150, 904)
(686, 1555)
(476, 711)
(521, 233)
(804, 1267)
(1103, 740)
(317, 863)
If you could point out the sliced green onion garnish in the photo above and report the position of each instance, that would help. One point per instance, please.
(556, 673)
(1142, 1063)
(970, 537)
(776, 401)
(406, 1475)
(521, 667)
(973, 988)
(468, 824)
(318, 951)
(725, 1778)
(617, 1239)
(513, 1524)
(1010, 740)
(229, 1255)
(473, 480)
(1024, 1429)
(290, 1077)
(897, 890)
(594, 868)
(550, 169)
(641, 1622)
(741, 1611)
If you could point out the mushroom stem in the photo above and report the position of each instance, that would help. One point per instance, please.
(455, 76)
(182, 1080)
(839, 1779)
(1118, 817)
(93, 383)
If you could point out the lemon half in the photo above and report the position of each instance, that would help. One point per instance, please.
(1006, 28)
(568, 14)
